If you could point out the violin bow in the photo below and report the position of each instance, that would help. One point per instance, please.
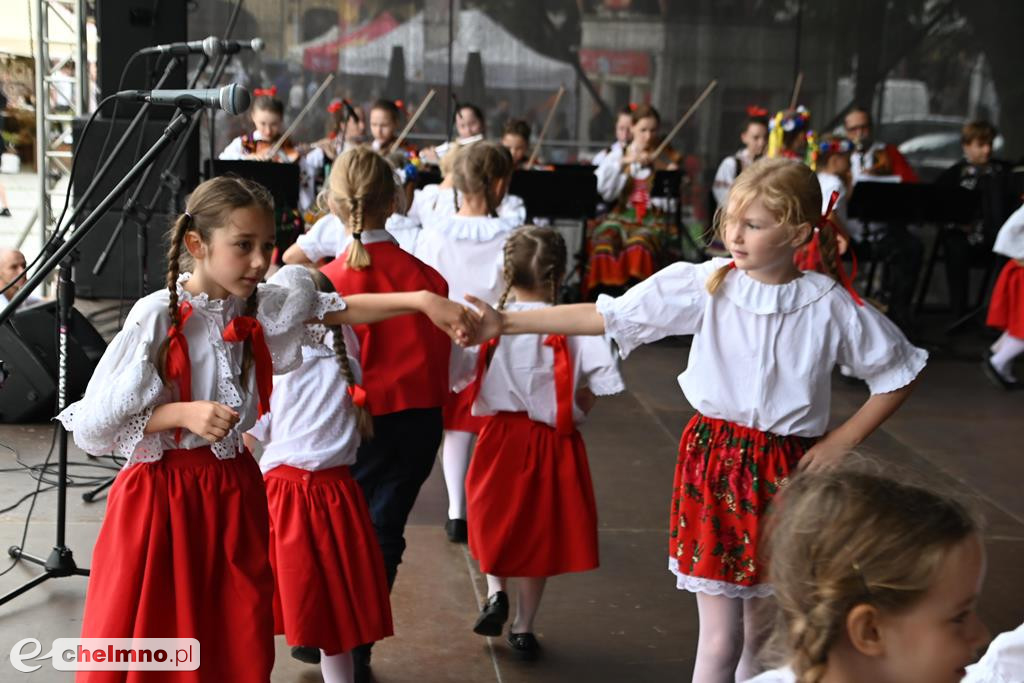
(544, 130)
(298, 119)
(412, 122)
(686, 117)
(796, 91)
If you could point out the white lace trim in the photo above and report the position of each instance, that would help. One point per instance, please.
(472, 228)
(696, 584)
(287, 301)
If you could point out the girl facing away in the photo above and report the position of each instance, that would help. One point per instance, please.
(183, 549)
(875, 580)
(766, 338)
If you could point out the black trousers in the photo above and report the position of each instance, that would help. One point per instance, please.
(391, 467)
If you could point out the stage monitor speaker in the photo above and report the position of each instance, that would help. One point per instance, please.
(28, 347)
(126, 26)
(87, 152)
(119, 277)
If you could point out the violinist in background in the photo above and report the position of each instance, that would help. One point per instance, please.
(267, 115)
(469, 128)
(632, 241)
(346, 133)
(516, 139)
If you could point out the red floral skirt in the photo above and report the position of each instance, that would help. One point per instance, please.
(530, 500)
(331, 590)
(624, 249)
(182, 553)
(1006, 311)
(725, 479)
(458, 411)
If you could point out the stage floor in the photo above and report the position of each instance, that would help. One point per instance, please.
(625, 621)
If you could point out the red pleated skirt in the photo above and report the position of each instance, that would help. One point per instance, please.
(1006, 311)
(531, 509)
(331, 589)
(182, 553)
(458, 411)
(725, 479)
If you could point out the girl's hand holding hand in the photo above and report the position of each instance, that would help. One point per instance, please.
(489, 322)
(456, 320)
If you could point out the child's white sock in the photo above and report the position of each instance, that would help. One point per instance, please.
(337, 668)
(455, 454)
(1009, 348)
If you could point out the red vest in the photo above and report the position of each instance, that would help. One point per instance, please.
(404, 359)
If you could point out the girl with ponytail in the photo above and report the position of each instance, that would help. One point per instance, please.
(766, 338)
(183, 551)
(531, 503)
(466, 248)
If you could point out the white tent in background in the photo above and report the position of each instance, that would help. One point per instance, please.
(508, 62)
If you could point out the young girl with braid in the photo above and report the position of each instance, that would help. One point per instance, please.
(404, 360)
(466, 248)
(330, 586)
(530, 498)
(766, 338)
(875, 580)
(183, 549)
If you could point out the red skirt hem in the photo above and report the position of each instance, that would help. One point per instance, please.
(530, 500)
(1006, 310)
(182, 553)
(331, 591)
(725, 479)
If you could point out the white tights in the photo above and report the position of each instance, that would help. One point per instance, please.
(1004, 351)
(337, 668)
(528, 594)
(730, 637)
(455, 452)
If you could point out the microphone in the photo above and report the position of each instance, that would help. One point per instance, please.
(232, 98)
(212, 46)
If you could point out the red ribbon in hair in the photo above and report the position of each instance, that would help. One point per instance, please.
(358, 395)
(334, 106)
(811, 256)
(400, 104)
(269, 92)
(247, 327)
(177, 365)
(632, 106)
(754, 110)
(564, 394)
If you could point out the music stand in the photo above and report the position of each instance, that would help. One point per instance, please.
(566, 191)
(281, 180)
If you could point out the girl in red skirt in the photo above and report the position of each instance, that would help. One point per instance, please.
(1006, 311)
(530, 499)
(330, 586)
(183, 552)
(766, 338)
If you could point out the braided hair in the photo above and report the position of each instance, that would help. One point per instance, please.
(478, 167)
(534, 260)
(361, 189)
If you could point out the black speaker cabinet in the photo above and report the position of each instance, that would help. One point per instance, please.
(126, 26)
(28, 347)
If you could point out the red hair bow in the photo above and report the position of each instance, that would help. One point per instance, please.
(813, 254)
(334, 106)
(632, 106)
(754, 110)
(400, 104)
(269, 92)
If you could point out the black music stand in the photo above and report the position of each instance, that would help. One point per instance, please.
(282, 180)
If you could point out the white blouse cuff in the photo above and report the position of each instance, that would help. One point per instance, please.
(619, 330)
(606, 386)
(900, 374)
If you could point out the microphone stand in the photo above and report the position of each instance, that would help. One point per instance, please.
(60, 562)
(141, 216)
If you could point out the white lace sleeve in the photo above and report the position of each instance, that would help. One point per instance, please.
(286, 303)
(123, 391)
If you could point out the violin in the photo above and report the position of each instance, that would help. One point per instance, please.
(256, 150)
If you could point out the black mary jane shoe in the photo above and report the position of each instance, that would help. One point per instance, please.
(308, 655)
(457, 530)
(996, 378)
(493, 615)
(525, 645)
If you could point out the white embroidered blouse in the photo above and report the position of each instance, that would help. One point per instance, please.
(126, 387)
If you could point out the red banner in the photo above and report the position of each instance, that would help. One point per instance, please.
(616, 62)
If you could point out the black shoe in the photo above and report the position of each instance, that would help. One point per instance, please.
(5, 212)
(493, 616)
(996, 378)
(456, 530)
(309, 655)
(525, 645)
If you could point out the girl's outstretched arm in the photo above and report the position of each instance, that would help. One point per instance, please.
(847, 436)
(454, 319)
(571, 319)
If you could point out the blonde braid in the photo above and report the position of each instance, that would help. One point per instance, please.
(508, 271)
(251, 306)
(358, 256)
(829, 248)
(812, 636)
(717, 278)
(178, 231)
(364, 420)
